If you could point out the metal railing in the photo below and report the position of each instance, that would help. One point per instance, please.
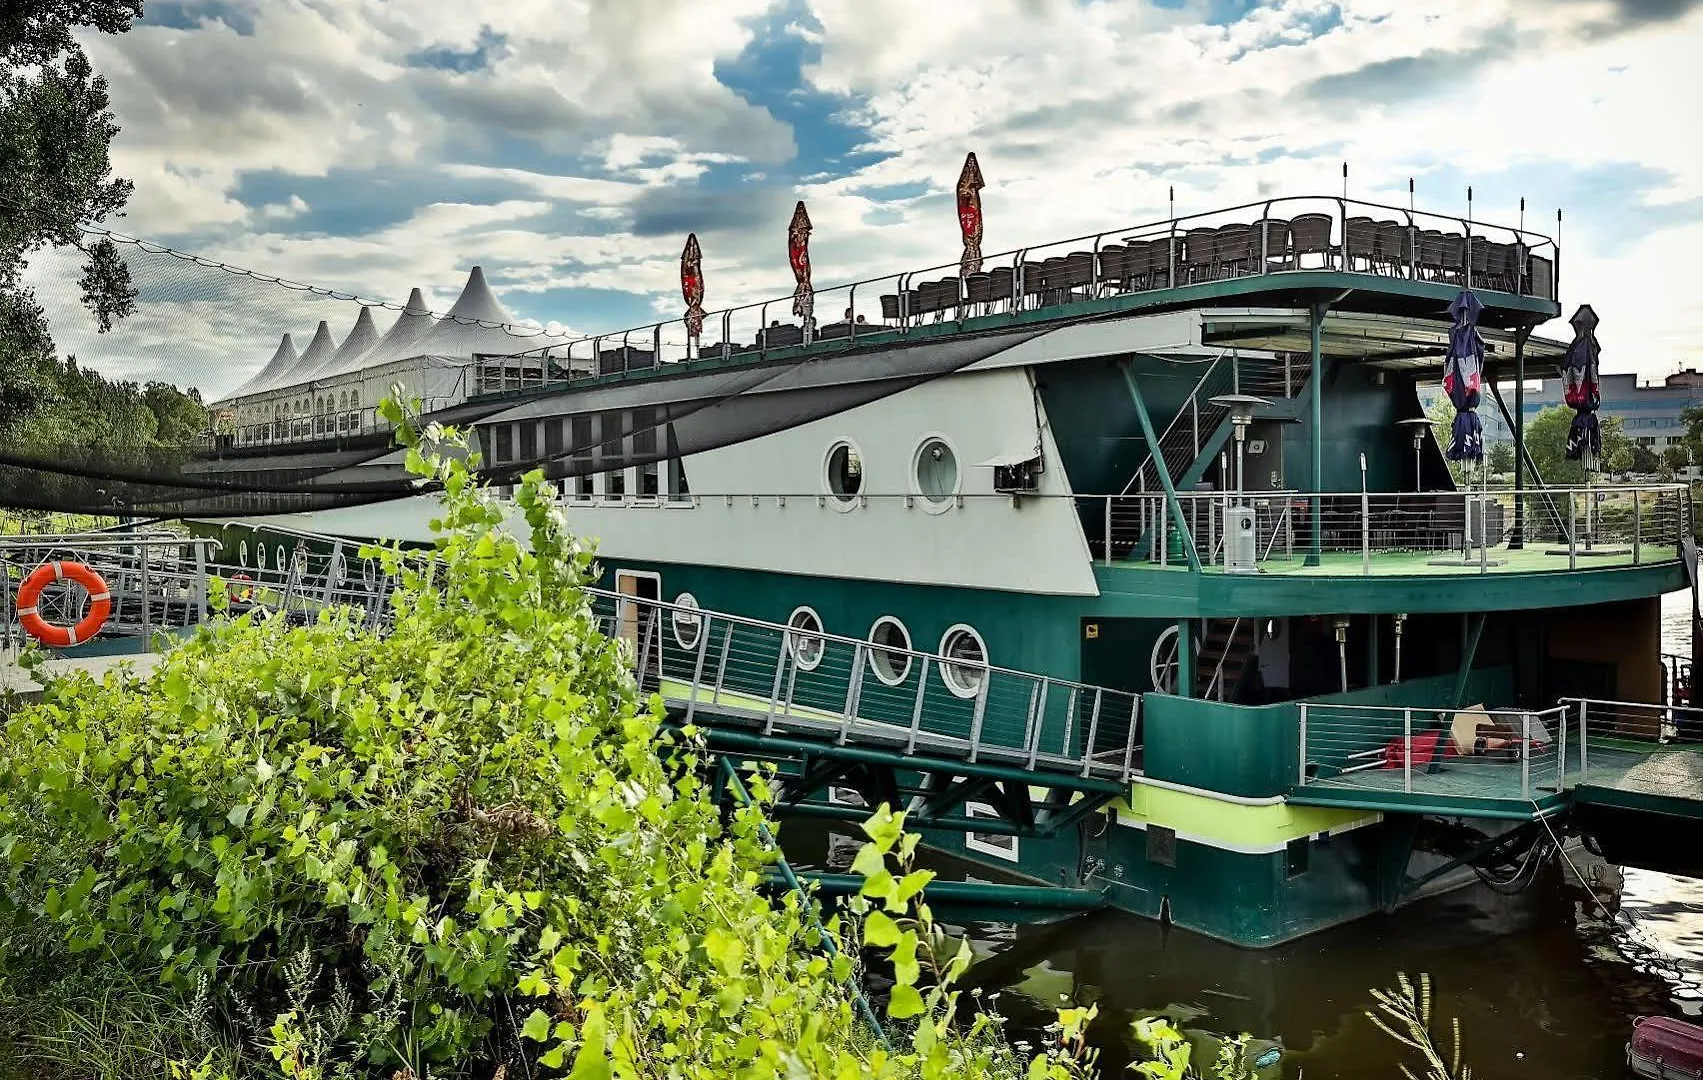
(157, 581)
(1462, 753)
(799, 679)
(1256, 239)
(1365, 533)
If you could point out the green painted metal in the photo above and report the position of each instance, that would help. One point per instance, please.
(1179, 520)
(978, 893)
(1479, 851)
(1517, 538)
(1468, 654)
(1143, 591)
(1396, 802)
(1316, 429)
(1185, 658)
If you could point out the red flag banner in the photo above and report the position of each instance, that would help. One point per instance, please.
(970, 215)
(798, 253)
(692, 285)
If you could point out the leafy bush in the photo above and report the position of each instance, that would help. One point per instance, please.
(449, 850)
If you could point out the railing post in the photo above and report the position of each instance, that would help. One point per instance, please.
(1365, 527)
(1526, 755)
(721, 665)
(1069, 720)
(1407, 750)
(916, 714)
(1161, 541)
(1572, 531)
(1093, 731)
(1108, 534)
(1561, 756)
(853, 693)
(645, 648)
(979, 715)
(1039, 721)
(698, 665)
(1637, 525)
(147, 601)
(201, 578)
(1584, 739)
(1129, 740)
(1194, 417)
(1303, 778)
(775, 687)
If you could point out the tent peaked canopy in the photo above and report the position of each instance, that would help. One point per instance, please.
(362, 337)
(321, 349)
(400, 340)
(283, 357)
(475, 325)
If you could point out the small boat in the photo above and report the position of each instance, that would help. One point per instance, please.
(1664, 1048)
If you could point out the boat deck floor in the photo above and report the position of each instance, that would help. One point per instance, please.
(1533, 559)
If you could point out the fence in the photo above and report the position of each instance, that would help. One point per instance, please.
(798, 678)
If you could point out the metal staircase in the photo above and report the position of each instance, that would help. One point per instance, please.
(1198, 431)
(1226, 653)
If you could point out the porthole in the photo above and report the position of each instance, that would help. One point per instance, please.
(890, 657)
(965, 661)
(842, 472)
(803, 638)
(283, 562)
(935, 472)
(242, 553)
(260, 555)
(687, 623)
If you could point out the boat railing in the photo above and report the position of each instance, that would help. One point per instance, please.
(1255, 239)
(1367, 533)
(1470, 752)
(796, 678)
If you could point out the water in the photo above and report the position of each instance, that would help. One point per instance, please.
(1545, 983)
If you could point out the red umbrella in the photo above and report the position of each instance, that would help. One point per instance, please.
(970, 215)
(798, 253)
(692, 285)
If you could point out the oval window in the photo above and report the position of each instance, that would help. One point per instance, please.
(844, 467)
(260, 555)
(242, 553)
(803, 639)
(936, 470)
(964, 663)
(687, 623)
(890, 658)
(283, 562)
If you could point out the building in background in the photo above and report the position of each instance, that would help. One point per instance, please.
(1649, 414)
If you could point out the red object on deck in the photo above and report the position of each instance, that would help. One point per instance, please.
(1664, 1047)
(1422, 748)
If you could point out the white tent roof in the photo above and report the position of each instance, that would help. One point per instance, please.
(362, 337)
(282, 358)
(398, 342)
(322, 348)
(475, 325)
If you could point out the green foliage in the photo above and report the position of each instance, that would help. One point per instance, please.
(444, 851)
(1644, 460)
(1500, 457)
(1546, 441)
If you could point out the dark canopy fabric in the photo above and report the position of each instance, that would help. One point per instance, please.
(1583, 388)
(1463, 378)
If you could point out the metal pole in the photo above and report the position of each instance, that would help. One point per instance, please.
(1316, 384)
(1561, 756)
(1637, 525)
(1108, 534)
(1525, 755)
(1518, 538)
(1407, 750)
(1584, 740)
(1303, 777)
(1572, 531)
(1365, 523)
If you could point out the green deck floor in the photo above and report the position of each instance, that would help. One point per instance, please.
(1529, 560)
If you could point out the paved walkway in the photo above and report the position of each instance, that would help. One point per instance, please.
(16, 679)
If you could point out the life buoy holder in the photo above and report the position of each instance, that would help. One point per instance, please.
(29, 593)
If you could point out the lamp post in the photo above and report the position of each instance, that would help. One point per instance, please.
(1418, 425)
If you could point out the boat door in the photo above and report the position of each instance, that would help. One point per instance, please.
(634, 618)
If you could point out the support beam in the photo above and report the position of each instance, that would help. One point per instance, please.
(977, 893)
(1185, 658)
(1469, 652)
(1518, 539)
(1161, 468)
(1316, 382)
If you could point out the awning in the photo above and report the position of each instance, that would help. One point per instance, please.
(1007, 460)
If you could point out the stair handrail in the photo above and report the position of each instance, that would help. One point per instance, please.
(1217, 682)
(1175, 420)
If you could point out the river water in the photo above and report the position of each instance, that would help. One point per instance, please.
(1545, 983)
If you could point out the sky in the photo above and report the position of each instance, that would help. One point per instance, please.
(569, 146)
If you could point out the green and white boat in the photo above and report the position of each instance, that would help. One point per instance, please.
(1127, 562)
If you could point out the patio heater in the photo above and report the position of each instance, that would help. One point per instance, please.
(1340, 625)
(1400, 624)
(1418, 425)
(1241, 536)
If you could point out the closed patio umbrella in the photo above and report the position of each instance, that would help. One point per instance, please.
(1463, 378)
(692, 286)
(798, 253)
(1583, 389)
(970, 215)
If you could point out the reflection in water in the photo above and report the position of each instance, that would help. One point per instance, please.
(1545, 982)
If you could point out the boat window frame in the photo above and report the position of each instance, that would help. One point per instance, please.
(946, 663)
(905, 650)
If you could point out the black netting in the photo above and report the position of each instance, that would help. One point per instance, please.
(192, 406)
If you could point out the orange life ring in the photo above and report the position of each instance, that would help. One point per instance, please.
(247, 593)
(100, 604)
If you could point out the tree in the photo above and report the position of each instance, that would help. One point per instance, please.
(1546, 441)
(1644, 460)
(55, 174)
(1501, 457)
(1676, 457)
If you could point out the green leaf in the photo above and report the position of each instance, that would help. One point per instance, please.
(879, 930)
(905, 1003)
(592, 1061)
(537, 1026)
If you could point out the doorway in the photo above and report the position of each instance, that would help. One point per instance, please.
(637, 620)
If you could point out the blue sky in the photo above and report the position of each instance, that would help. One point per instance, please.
(568, 147)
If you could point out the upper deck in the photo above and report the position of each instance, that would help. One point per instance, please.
(1388, 272)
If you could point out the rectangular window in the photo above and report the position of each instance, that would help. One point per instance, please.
(1295, 857)
(529, 442)
(677, 486)
(615, 484)
(580, 441)
(644, 451)
(505, 445)
(997, 845)
(1161, 845)
(553, 438)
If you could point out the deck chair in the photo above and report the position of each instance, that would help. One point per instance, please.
(1421, 748)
